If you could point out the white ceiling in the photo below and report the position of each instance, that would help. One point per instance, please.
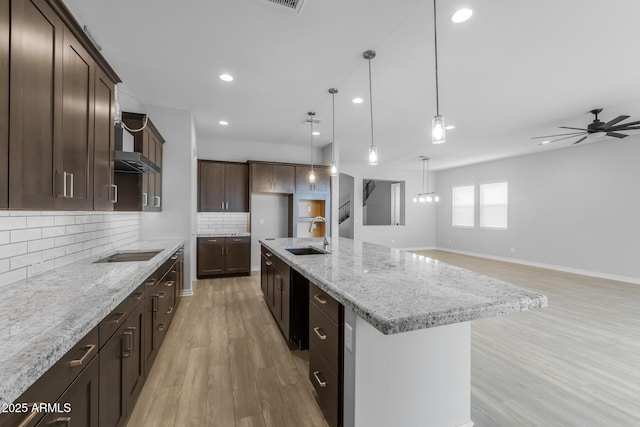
(515, 70)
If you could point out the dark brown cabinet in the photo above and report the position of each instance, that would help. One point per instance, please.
(326, 322)
(223, 256)
(223, 187)
(52, 129)
(105, 192)
(141, 191)
(276, 286)
(4, 103)
(272, 178)
(323, 180)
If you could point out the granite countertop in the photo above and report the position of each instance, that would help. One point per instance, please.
(44, 316)
(247, 234)
(396, 291)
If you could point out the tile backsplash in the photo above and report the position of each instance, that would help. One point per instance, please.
(223, 222)
(33, 242)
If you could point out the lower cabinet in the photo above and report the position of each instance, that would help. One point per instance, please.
(276, 284)
(100, 379)
(218, 256)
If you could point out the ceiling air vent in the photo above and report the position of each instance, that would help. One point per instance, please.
(291, 6)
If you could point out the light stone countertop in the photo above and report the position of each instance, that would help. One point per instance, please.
(44, 316)
(396, 291)
(224, 234)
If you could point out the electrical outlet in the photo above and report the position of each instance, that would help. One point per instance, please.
(261, 221)
(513, 250)
(308, 208)
(348, 337)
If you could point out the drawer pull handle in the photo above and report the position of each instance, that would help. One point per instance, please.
(321, 299)
(237, 240)
(212, 241)
(268, 263)
(137, 296)
(268, 254)
(30, 417)
(118, 319)
(170, 283)
(320, 382)
(175, 257)
(154, 302)
(161, 327)
(320, 334)
(170, 310)
(161, 295)
(63, 421)
(77, 362)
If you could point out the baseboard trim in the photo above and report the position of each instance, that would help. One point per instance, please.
(469, 424)
(599, 275)
(421, 248)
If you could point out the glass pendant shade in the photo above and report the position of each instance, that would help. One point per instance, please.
(415, 199)
(312, 176)
(373, 155)
(438, 133)
(422, 199)
(334, 168)
(436, 198)
(429, 199)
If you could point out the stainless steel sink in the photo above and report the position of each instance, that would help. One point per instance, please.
(130, 256)
(309, 250)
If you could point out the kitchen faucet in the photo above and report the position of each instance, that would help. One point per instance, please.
(325, 243)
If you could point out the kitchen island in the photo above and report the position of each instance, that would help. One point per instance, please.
(406, 352)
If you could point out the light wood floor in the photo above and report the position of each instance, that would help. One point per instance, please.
(225, 363)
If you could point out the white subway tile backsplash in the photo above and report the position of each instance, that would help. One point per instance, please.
(218, 222)
(35, 242)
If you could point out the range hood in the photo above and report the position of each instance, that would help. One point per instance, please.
(128, 160)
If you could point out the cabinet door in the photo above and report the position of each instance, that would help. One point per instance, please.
(81, 398)
(238, 255)
(210, 256)
(264, 273)
(284, 178)
(35, 104)
(211, 186)
(134, 363)
(277, 295)
(75, 158)
(261, 177)
(150, 335)
(158, 177)
(148, 180)
(104, 194)
(237, 187)
(113, 355)
(4, 104)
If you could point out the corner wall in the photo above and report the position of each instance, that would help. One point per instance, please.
(576, 208)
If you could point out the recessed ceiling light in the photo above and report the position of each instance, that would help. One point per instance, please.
(544, 142)
(223, 122)
(461, 15)
(315, 133)
(357, 100)
(226, 77)
(450, 127)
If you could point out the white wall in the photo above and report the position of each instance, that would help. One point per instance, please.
(346, 186)
(241, 151)
(576, 208)
(177, 218)
(271, 218)
(419, 228)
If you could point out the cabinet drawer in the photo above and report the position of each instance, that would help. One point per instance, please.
(55, 381)
(324, 336)
(119, 315)
(237, 240)
(326, 384)
(325, 302)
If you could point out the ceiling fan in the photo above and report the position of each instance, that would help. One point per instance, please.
(611, 128)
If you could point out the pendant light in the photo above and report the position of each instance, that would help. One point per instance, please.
(373, 150)
(425, 196)
(312, 174)
(334, 165)
(438, 129)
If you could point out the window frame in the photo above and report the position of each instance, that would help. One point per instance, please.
(473, 206)
(481, 205)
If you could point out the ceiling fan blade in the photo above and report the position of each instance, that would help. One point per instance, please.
(560, 134)
(580, 140)
(624, 125)
(560, 139)
(613, 122)
(617, 135)
(565, 127)
(623, 128)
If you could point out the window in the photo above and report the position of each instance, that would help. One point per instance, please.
(493, 205)
(463, 205)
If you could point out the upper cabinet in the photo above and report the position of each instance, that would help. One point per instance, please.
(323, 180)
(105, 192)
(223, 187)
(4, 103)
(272, 178)
(141, 191)
(52, 80)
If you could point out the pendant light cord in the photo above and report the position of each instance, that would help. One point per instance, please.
(435, 39)
(423, 160)
(371, 101)
(311, 151)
